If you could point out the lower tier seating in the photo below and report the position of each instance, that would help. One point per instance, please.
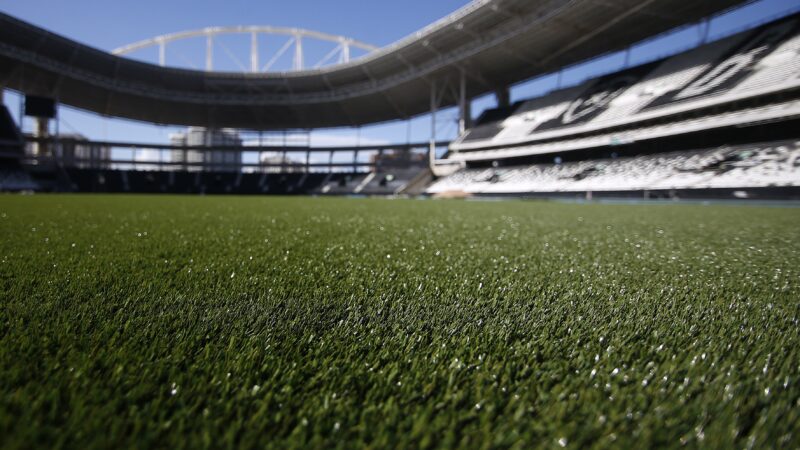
(757, 165)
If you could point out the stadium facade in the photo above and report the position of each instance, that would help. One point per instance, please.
(719, 120)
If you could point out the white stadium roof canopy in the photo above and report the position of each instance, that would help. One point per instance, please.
(491, 43)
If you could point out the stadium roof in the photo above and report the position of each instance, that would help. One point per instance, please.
(495, 43)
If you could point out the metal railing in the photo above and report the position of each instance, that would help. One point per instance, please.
(70, 152)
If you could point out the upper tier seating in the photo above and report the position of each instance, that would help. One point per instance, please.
(781, 110)
(747, 64)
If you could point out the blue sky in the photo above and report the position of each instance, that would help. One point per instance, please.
(108, 24)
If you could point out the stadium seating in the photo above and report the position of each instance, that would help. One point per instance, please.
(15, 179)
(138, 181)
(735, 117)
(746, 65)
(702, 110)
(773, 164)
(686, 123)
(387, 182)
(340, 183)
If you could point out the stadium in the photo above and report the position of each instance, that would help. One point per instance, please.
(524, 224)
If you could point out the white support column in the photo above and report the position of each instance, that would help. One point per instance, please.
(162, 53)
(298, 52)
(346, 51)
(706, 30)
(379, 162)
(464, 110)
(432, 144)
(253, 52)
(209, 52)
(503, 97)
(42, 130)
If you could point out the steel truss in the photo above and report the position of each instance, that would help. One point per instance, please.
(343, 47)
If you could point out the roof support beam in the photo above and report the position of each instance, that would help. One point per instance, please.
(601, 28)
(298, 52)
(277, 55)
(437, 95)
(345, 56)
(162, 53)
(210, 52)
(253, 52)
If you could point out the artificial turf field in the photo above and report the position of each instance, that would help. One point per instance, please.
(172, 322)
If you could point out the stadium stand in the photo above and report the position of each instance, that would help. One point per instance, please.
(340, 183)
(723, 116)
(75, 179)
(767, 165)
(137, 181)
(14, 179)
(718, 120)
(742, 66)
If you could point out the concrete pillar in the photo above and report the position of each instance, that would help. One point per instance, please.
(503, 97)
(465, 119)
(464, 107)
(209, 53)
(253, 52)
(41, 130)
(432, 145)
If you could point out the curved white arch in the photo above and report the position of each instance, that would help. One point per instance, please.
(344, 44)
(483, 48)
